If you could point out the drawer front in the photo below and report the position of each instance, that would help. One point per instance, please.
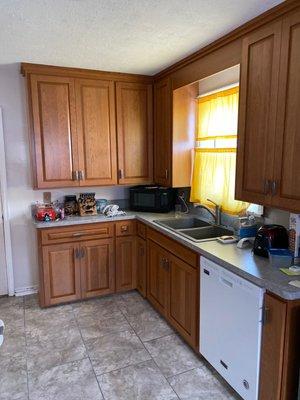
(125, 228)
(141, 230)
(77, 233)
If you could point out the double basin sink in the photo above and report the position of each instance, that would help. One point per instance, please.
(194, 229)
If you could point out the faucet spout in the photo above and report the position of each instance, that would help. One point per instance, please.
(215, 214)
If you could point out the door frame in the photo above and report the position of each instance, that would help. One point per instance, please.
(5, 213)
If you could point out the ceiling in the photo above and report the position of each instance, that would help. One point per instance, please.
(138, 36)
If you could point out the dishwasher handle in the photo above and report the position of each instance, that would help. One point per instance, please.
(226, 282)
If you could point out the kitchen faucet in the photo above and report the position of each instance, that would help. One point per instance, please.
(215, 214)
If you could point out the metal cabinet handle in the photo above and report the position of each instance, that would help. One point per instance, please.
(75, 175)
(76, 253)
(124, 228)
(121, 174)
(267, 186)
(82, 252)
(166, 173)
(274, 188)
(265, 315)
(81, 176)
(167, 264)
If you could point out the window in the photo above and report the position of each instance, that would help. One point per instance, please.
(215, 151)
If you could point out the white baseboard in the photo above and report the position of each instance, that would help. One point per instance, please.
(24, 291)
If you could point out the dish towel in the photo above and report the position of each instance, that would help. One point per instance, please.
(1, 331)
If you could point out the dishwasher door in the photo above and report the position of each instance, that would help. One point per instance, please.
(230, 327)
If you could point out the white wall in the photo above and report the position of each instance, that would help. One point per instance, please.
(20, 193)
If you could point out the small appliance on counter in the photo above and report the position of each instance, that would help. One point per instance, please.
(270, 237)
(71, 205)
(87, 204)
(151, 199)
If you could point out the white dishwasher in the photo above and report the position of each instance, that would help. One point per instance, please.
(230, 327)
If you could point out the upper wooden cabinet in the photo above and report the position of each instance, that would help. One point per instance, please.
(135, 133)
(163, 132)
(269, 121)
(96, 127)
(76, 117)
(54, 138)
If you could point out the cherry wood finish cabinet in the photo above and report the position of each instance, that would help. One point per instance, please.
(97, 267)
(172, 285)
(280, 354)
(163, 132)
(269, 124)
(76, 117)
(135, 132)
(141, 266)
(125, 263)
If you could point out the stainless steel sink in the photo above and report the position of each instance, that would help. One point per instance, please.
(194, 229)
(206, 233)
(182, 223)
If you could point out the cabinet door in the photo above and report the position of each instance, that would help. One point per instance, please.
(272, 351)
(257, 114)
(163, 132)
(141, 267)
(157, 277)
(287, 160)
(125, 263)
(135, 132)
(95, 107)
(61, 273)
(54, 137)
(97, 267)
(184, 300)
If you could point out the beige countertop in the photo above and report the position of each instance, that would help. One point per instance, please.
(239, 261)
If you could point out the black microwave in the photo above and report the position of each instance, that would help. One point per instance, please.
(151, 198)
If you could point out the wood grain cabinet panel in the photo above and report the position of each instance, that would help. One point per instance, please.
(54, 136)
(135, 132)
(157, 277)
(287, 150)
(257, 113)
(163, 132)
(141, 266)
(95, 109)
(61, 274)
(125, 263)
(97, 267)
(183, 299)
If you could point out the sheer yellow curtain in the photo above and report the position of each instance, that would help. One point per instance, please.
(215, 152)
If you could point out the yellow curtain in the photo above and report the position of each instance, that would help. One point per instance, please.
(214, 168)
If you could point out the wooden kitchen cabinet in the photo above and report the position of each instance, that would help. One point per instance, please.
(54, 136)
(76, 116)
(96, 126)
(157, 277)
(141, 266)
(60, 274)
(269, 121)
(280, 352)
(257, 114)
(163, 132)
(97, 267)
(135, 132)
(172, 288)
(183, 306)
(125, 263)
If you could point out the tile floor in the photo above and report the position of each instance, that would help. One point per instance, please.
(112, 348)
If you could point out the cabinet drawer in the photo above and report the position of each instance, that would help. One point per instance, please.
(125, 228)
(172, 246)
(141, 230)
(77, 233)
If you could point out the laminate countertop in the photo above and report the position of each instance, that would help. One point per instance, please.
(241, 262)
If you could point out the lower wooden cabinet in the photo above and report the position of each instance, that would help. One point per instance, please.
(183, 307)
(141, 266)
(280, 354)
(172, 289)
(125, 263)
(157, 279)
(60, 274)
(97, 261)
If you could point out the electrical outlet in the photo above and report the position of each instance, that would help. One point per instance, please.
(47, 197)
